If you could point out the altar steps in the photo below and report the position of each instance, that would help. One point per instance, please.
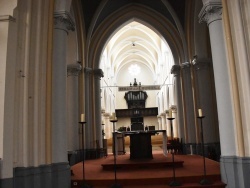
(190, 182)
(142, 164)
(151, 174)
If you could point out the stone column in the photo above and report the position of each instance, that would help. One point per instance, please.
(206, 99)
(98, 73)
(107, 126)
(175, 121)
(63, 24)
(88, 129)
(159, 122)
(179, 104)
(7, 76)
(168, 126)
(190, 129)
(211, 13)
(73, 71)
(163, 121)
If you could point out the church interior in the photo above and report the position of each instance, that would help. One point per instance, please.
(125, 85)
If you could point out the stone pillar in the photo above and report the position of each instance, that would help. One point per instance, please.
(211, 13)
(63, 24)
(61, 172)
(159, 122)
(206, 99)
(98, 73)
(168, 126)
(73, 71)
(175, 121)
(88, 128)
(179, 104)
(107, 126)
(8, 39)
(163, 121)
(190, 129)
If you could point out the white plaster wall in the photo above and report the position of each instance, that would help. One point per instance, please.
(123, 78)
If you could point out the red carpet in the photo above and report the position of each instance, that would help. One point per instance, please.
(147, 173)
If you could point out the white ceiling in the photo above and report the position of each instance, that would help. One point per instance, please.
(136, 43)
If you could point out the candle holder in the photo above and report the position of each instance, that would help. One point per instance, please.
(104, 146)
(204, 181)
(115, 185)
(84, 184)
(103, 133)
(173, 183)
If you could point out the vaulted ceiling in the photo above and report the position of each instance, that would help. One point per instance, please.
(135, 43)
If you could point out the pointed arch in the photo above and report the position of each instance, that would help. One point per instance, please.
(143, 15)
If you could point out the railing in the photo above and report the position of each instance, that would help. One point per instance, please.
(135, 112)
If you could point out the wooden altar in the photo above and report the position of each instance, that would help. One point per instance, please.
(140, 143)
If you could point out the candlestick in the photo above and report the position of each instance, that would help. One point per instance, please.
(174, 182)
(204, 181)
(84, 184)
(114, 120)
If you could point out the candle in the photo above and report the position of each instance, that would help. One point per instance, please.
(112, 116)
(170, 113)
(191, 150)
(102, 122)
(200, 112)
(82, 117)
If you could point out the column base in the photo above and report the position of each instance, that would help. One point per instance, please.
(6, 183)
(75, 157)
(49, 176)
(235, 171)
(212, 150)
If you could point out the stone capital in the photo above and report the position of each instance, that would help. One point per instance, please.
(106, 115)
(98, 73)
(173, 108)
(211, 11)
(7, 18)
(186, 65)
(163, 114)
(88, 70)
(175, 70)
(202, 64)
(63, 21)
(74, 69)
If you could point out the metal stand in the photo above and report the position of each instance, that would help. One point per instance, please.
(115, 185)
(104, 149)
(173, 183)
(204, 181)
(84, 185)
(103, 133)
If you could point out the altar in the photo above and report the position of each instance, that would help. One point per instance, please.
(141, 145)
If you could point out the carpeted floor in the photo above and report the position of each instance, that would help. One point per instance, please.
(160, 176)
